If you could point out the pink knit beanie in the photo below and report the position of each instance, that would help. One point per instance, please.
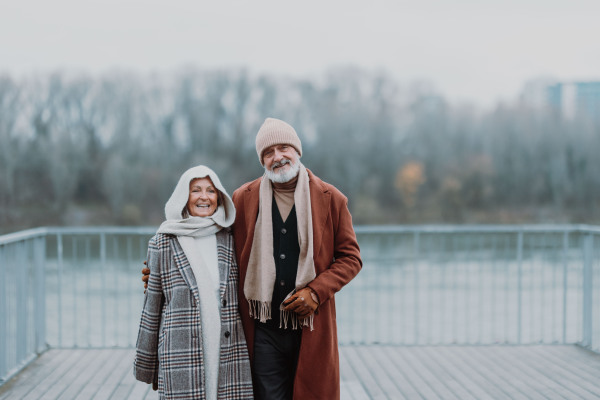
(275, 131)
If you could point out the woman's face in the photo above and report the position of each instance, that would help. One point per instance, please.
(203, 198)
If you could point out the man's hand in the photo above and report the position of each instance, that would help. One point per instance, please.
(302, 303)
(145, 276)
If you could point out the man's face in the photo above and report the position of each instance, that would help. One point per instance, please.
(281, 162)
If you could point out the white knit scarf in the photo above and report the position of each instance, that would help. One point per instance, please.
(260, 276)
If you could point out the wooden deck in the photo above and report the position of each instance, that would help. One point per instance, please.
(367, 372)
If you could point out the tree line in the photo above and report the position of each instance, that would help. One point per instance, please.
(78, 149)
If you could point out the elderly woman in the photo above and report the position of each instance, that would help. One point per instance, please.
(191, 343)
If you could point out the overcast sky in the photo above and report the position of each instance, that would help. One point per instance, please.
(471, 50)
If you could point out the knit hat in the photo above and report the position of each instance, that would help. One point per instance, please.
(275, 131)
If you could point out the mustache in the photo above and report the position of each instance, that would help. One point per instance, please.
(281, 163)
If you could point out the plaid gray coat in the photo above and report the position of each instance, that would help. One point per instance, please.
(169, 344)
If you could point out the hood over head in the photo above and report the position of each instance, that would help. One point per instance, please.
(177, 203)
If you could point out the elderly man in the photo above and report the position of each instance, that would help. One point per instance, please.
(295, 247)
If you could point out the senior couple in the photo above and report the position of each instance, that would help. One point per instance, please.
(248, 282)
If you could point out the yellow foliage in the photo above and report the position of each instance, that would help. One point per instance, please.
(408, 180)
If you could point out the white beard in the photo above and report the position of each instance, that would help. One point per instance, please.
(286, 176)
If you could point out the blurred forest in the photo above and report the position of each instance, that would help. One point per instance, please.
(104, 150)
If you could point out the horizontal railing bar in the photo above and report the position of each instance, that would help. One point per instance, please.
(76, 230)
(23, 235)
(382, 229)
(112, 230)
(360, 229)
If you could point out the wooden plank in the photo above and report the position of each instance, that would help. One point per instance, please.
(98, 379)
(519, 366)
(350, 385)
(514, 385)
(583, 360)
(406, 369)
(58, 378)
(128, 383)
(368, 381)
(585, 368)
(385, 356)
(445, 370)
(414, 357)
(72, 381)
(373, 360)
(353, 391)
(94, 361)
(563, 374)
(561, 378)
(139, 391)
(478, 383)
(114, 379)
(152, 395)
(346, 372)
(55, 382)
(367, 372)
(34, 374)
(518, 358)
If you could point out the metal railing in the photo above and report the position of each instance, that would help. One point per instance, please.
(474, 285)
(80, 287)
(69, 288)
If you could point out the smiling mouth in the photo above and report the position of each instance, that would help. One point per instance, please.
(281, 165)
(203, 205)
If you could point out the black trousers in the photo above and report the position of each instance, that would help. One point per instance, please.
(275, 360)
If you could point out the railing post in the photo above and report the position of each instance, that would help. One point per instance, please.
(565, 285)
(22, 294)
(103, 285)
(588, 248)
(3, 313)
(520, 286)
(59, 254)
(416, 244)
(40, 294)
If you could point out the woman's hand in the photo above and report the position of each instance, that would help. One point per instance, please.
(145, 276)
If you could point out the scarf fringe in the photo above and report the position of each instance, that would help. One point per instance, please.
(261, 271)
(260, 310)
(296, 322)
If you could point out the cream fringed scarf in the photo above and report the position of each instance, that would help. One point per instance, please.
(260, 276)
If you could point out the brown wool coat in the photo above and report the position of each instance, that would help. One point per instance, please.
(337, 261)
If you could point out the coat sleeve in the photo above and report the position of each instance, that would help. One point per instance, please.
(346, 262)
(145, 365)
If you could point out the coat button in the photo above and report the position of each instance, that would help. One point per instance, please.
(224, 303)
(283, 231)
(282, 256)
(282, 283)
(227, 334)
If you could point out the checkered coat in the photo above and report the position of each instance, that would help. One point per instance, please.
(169, 344)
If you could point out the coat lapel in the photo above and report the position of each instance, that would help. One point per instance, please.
(185, 269)
(251, 214)
(320, 198)
(223, 259)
